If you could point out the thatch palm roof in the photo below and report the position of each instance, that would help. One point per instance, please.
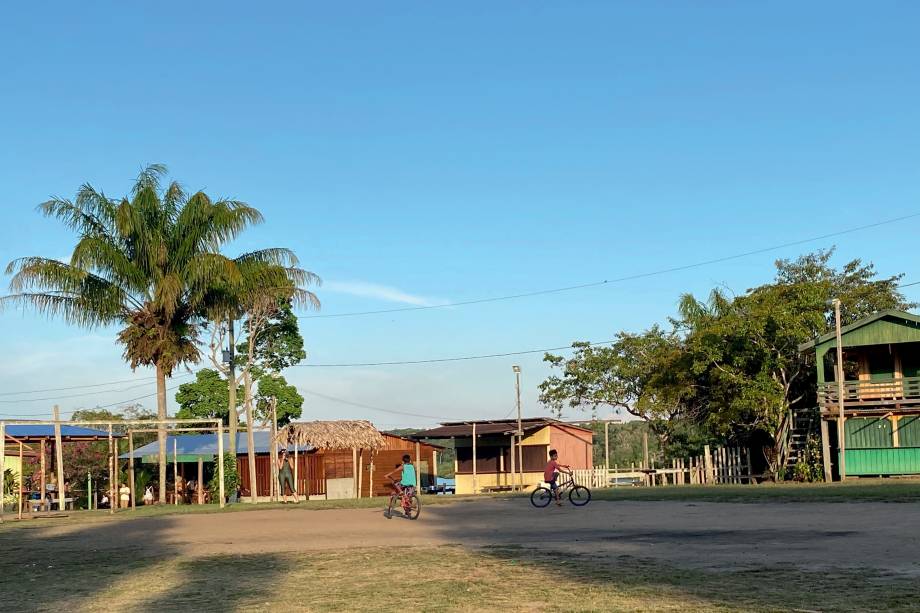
(341, 434)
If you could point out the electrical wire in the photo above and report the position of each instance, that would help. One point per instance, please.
(373, 408)
(442, 360)
(631, 277)
(125, 389)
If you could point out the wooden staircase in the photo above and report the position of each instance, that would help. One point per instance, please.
(802, 424)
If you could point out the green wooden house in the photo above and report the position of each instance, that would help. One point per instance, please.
(881, 395)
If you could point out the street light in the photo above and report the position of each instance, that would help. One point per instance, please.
(520, 431)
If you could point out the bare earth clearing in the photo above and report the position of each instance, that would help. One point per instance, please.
(624, 555)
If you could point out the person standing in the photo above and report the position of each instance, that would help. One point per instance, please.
(286, 477)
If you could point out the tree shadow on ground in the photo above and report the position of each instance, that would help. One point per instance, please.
(103, 561)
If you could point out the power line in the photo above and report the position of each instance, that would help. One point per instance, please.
(632, 277)
(371, 407)
(74, 387)
(125, 389)
(440, 360)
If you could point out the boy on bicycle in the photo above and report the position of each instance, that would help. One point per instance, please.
(551, 473)
(407, 479)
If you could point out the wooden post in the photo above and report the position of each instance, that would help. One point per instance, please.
(607, 446)
(513, 472)
(645, 463)
(89, 491)
(200, 488)
(19, 505)
(839, 375)
(418, 467)
(354, 469)
(361, 471)
(707, 461)
(276, 478)
(131, 468)
(296, 474)
(59, 457)
(44, 468)
(475, 482)
(826, 451)
(220, 463)
(111, 477)
(370, 475)
(175, 471)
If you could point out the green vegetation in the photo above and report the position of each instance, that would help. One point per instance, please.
(883, 490)
(728, 368)
(149, 262)
(231, 479)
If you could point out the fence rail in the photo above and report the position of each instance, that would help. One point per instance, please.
(715, 466)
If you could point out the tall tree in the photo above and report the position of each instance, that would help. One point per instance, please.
(289, 402)
(640, 374)
(146, 262)
(263, 296)
(744, 349)
(206, 397)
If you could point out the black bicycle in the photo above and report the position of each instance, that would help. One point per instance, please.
(578, 495)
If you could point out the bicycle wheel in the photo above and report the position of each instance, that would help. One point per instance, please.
(388, 512)
(541, 497)
(414, 508)
(580, 496)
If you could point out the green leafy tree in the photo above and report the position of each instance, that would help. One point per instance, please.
(147, 262)
(641, 374)
(743, 350)
(289, 403)
(207, 397)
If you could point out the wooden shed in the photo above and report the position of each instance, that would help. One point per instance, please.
(492, 467)
(352, 457)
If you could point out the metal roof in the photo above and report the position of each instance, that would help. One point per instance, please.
(490, 426)
(832, 335)
(28, 432)
(189, 447)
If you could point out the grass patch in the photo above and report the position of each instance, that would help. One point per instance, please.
(448, 578)
(881, 490)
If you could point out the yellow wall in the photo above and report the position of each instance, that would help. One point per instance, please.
(464, 483)
(540, 437)
(12, 463)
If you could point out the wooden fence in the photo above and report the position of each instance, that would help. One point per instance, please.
(720, 465)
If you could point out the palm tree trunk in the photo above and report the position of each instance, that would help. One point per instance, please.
(250, 439)
(233, 416)
(161, 430)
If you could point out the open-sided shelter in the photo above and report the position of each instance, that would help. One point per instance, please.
(492, 466)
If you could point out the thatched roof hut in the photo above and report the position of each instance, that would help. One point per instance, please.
(340, 434)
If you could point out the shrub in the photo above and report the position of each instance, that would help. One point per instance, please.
(231, 478)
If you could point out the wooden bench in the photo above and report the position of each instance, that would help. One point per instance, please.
(492, 489)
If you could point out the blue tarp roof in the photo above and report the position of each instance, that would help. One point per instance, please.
(47, 431)
(204, 445)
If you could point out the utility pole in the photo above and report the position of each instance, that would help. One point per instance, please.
(520, 430)
(233, 416)
(841, 426)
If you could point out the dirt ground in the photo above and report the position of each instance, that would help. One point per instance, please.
(699, 535)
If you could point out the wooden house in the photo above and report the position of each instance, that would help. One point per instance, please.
(321, 472)
(492, 468)
(881, 396)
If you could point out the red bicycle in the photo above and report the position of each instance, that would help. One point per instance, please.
(409, 502)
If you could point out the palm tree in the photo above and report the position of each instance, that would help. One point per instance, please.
(146, 262)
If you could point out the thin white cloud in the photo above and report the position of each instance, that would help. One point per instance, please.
(379, 292)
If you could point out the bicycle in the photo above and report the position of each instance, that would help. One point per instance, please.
(578, 495)
(409, 502)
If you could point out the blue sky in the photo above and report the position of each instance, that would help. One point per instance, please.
(416, 154)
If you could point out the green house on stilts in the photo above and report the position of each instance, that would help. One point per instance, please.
(881, 396)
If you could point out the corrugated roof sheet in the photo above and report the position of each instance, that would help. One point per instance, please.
(38, 431)
(191, 446)
(485, 427)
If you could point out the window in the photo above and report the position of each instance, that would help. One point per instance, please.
(535, 457)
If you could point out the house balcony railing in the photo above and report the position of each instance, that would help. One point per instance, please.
(878, 395)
